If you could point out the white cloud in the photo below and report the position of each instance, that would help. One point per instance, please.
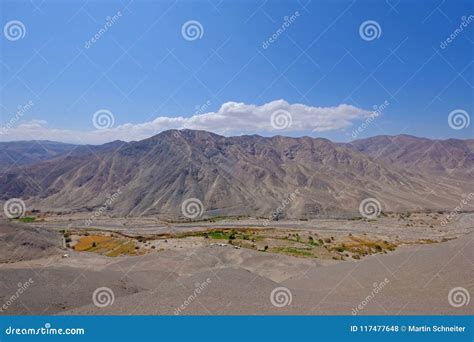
(232, 118)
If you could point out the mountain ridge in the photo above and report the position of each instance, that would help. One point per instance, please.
(248, 175)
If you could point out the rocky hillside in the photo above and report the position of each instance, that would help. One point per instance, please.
(248, 175)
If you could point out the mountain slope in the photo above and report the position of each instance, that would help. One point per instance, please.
(245, 175)
(437, 157)
(30, 152)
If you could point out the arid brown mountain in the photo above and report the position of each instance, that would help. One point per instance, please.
(248, 175)
(30, 152)
(19, 153)
(436, 157)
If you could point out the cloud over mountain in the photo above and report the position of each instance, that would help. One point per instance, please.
(231, 118)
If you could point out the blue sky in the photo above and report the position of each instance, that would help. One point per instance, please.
(145, 73)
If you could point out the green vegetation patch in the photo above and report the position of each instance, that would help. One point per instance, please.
(219, 235)
(293, 251)
(27, 219)
(222, 234)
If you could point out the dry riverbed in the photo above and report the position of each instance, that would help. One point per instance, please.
(152, 266)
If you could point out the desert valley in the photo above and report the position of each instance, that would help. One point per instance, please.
(190, 222)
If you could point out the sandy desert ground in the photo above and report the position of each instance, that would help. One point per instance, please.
(397, 264)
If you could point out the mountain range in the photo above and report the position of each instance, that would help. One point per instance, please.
(246, 175)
